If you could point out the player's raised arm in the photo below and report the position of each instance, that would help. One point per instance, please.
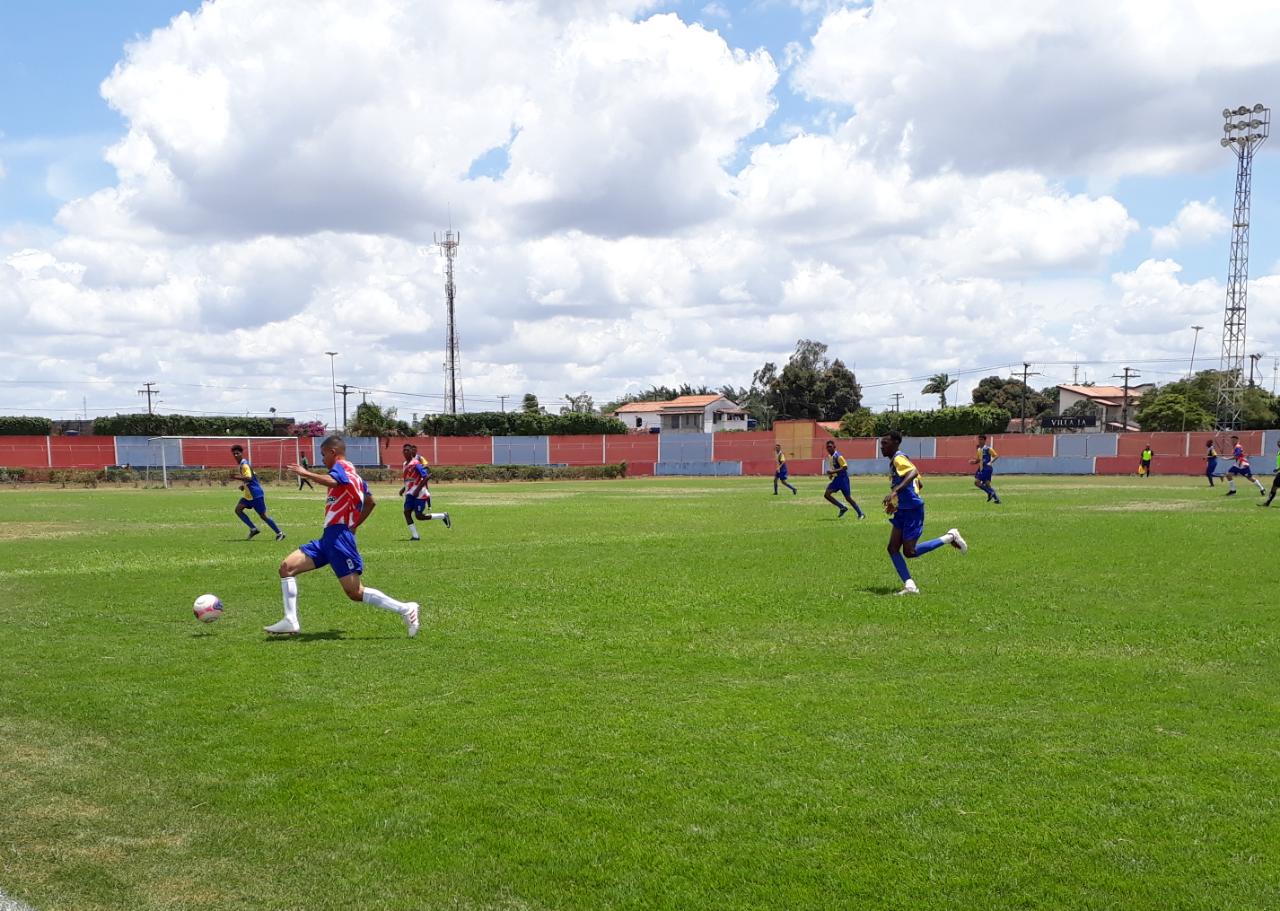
(301, 472)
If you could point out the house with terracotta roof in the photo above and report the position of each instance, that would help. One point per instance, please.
(686, 414)
(1108, 402)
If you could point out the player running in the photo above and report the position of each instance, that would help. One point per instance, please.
(1210, 461)
(838, 472)
(253, 497)
(986, 461)
(417, 494)
(336, 548)
(905, 507)
(1275, 482)
(1241, 469)
(780, 473)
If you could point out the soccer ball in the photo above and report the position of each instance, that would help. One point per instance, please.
(207, 608)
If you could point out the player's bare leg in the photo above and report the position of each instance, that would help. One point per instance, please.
(292, 566)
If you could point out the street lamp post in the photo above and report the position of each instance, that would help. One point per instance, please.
(1191, 369)
(333, 387)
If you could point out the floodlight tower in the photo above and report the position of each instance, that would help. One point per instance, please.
(1244, 130)
(449, 247)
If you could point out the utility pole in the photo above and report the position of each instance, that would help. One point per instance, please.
(1244, 130)
(503, 400)
(345, 390)
(149, 392)
(1253, 362)
(897, 401)
(1075, 374)
(1124, 404)
(1026, 373)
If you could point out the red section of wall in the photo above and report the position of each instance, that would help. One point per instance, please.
(958, 447)
(944, 466)
(83, 452)
(1163, 444)
(804, 467)
(391, 450)
(858, 448)
(460, 451)
(639, 469)
(632, 447)
(755, 446)
(762, 467)
(217, 453)
(1172, 465)
(1018, 445)
(576, 450)
(24, 452)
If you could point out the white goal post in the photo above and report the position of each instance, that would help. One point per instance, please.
(278, 451)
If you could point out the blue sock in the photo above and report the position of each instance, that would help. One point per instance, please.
(857, 509)
(992, 492)
(922, 549)
(271, 524)
(244, 517)
(900, 564)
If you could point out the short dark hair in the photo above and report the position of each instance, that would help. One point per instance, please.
(237, 448)
(333, 441)
(894, 435)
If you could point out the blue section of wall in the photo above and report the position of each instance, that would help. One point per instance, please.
(1071, 444)
(1056, 465)
(920, 447)
(871, 466)
(140, 453)
(1267, 460)
(521, 450)
(362, 452)
(1101, 444)
(684, 447)
(701, 469)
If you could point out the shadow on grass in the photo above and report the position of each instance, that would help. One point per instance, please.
(308, 637)
(880, 589)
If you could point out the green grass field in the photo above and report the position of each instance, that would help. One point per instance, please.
(647, 694)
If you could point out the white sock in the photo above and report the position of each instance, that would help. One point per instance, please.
(1259, 485)
(378, 599)
(1232, 483)
(413, 529)
(435, 515)
(948, 538)
(289, 588)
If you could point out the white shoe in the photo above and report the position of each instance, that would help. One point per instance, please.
(909, 588)
(411, 619)
(958, 542)
(283, 628)
(415, 538)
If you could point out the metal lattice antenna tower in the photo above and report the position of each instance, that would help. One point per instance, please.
(1244, 129)
(449, 247)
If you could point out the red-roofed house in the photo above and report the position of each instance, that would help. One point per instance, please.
(686, 414)
(1107, 400)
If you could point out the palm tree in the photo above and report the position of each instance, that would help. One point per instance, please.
(938, 385)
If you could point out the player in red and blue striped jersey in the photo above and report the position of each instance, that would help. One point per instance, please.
(417, 492)
(1241, 468)
(905, 507)
(336, 548)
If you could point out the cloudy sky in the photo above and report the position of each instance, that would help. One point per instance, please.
(211, 195)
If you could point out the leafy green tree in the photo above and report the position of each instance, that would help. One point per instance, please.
(810, 385)
(943, 422)
(938, 385)
(372, 420)
(858, 423)
(25, 426)
(1007, 393)
(578, 404)
(1172, 411)
(530, 404)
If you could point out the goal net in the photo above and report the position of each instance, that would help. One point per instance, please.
(171, 452)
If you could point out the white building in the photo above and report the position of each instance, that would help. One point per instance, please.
(686, 414)
(1108, 403)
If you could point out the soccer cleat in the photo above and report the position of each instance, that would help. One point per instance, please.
(958, 542)
(840, 514)
(794, 491)
(448, 523)
(1229, 493)
(414, 538)
(411, 619)
(909, 588)
(252, 533)
(283, 628)
(279, 536)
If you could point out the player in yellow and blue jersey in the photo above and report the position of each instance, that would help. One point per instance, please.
(253, 495)
(986, 460)
(1210, 461)
(838, 472)
(780, 473)
(905, 507)
(1241, 468)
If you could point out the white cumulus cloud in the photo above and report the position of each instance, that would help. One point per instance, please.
(1195, 223)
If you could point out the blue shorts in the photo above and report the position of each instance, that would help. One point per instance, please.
(911, 521)
(1236, 469)
(1211, 467)
(258, 504)
(337, 550)
(781, 473)
(983, 474)
(415, 504)
(840, 483)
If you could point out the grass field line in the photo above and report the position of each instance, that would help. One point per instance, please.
(12, 904)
